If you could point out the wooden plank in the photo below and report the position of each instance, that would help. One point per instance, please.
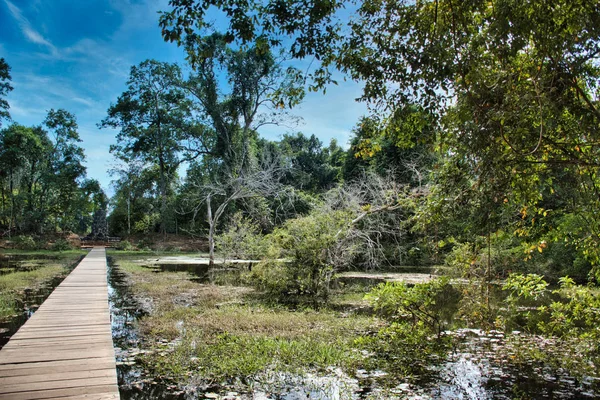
(56, 366)
(62, 384)
(58, 376)
(92, 392)
(65, 349)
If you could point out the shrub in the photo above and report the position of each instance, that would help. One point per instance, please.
(61, 245)
(24, 243)
(124, 245)
(304, 255)
(423, 304)
(241, 240)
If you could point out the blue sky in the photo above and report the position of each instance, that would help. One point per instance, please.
(76, 55)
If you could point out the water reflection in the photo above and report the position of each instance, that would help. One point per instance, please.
(479, 368)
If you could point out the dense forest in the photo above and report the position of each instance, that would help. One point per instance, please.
(480, 145)
(479, 156)
(43, 188)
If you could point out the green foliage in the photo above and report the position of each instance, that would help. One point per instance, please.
(241, 240)
(530, 286)
(124, 245)
(147, 223)
(404, 349)
(5, 88)
(42, 185)
(568, 312)
(25, 242)
(309, 247)
(61, 245)
(575, 314)
(312, 167)
(154, 118)
(422, 304)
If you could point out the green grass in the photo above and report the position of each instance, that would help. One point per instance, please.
(65, 254)
(24, 279)
(229, 332)
(13, 284)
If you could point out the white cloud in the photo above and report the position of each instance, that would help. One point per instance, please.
(28, 31)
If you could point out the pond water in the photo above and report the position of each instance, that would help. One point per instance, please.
(478, 368)
(134, 383)
(32, 298)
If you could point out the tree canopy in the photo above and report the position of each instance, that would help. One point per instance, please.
(5, 87)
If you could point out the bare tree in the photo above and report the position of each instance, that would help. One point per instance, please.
(216, 196)
(379, 209)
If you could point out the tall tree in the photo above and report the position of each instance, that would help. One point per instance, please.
(16, 142)
(5, 87)
(258, 92)
(65, 168)
(153, 116)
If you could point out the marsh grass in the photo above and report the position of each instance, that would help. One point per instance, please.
(14, 283)
(227, 332)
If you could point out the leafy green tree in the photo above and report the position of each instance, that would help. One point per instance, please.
(42, 178)
(65, 169)
(311, 166)
(257, 92)
(16, 143)
(134, 200)
(401, 146)
(153, 116)
(5, 87)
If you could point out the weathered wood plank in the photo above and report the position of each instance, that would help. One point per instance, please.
(92, 392)
(65, 350)
(89, 364)
(57, 376)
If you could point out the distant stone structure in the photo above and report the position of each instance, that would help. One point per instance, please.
(99, 233)
(99, 225)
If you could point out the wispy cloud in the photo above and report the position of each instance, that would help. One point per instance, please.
(28, 31)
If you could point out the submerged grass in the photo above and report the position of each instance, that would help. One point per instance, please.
(214, 333)
(51, 265)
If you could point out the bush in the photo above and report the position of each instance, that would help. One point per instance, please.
(61, 245)
(124, 245)
(25, 243)
(304, 255)
(425, 304)
(241, 240)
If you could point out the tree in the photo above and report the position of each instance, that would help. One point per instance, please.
(65, 168)
(311, 166)
(154, 118)
(218, 194)
(5, 87)
(513, 85)
(16, 143)
(257, 93)
(42, 178)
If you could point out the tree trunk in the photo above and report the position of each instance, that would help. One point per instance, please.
(129, 214)
(12, 205)
(211, 234)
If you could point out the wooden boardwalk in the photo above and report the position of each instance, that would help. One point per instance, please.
(65, 349)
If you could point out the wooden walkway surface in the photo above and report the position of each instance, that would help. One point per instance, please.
(65, 349)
